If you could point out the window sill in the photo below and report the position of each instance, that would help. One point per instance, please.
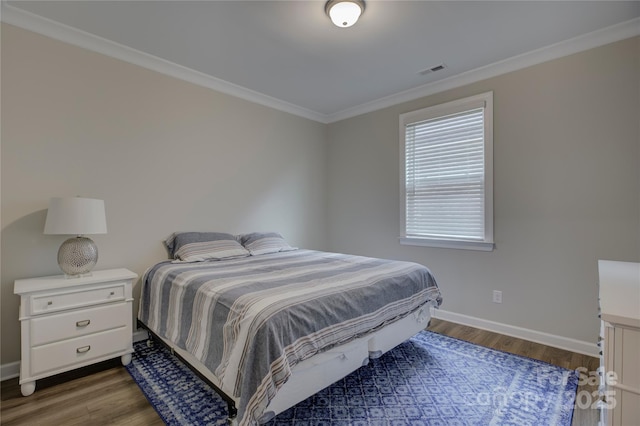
(451, 244)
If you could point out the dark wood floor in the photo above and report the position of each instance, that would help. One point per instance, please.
(105, 394)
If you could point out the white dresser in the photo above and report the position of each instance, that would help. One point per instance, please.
(620, 331)
(67, 323)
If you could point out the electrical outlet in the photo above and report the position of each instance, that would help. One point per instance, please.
(497, 296)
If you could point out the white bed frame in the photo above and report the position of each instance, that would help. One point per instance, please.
(316, 373)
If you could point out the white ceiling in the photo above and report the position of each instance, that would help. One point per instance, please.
(290, 53)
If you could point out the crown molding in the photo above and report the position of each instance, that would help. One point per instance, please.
(581, 43)
(53, 29)
(58, 31)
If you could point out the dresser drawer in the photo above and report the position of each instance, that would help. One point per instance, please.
(68, 325)
(52, 302)
(77, 352)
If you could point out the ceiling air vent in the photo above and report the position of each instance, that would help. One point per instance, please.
(432, 69)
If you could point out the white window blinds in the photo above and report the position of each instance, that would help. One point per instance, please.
(445, 169)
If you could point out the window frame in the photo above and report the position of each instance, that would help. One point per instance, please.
(484, 100)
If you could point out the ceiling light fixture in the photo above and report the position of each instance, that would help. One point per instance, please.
(344, 13)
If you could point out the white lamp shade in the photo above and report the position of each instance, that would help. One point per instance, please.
(345, 13)
(75, 216)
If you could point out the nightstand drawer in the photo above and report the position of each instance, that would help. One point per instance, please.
(77, 352)
(53, 302)
(73, 324)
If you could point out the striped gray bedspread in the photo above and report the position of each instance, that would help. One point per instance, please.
(250, 320)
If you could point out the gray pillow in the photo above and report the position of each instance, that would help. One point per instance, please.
(200, 246)
(264, 242)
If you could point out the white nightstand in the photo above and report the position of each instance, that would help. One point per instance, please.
(74, 322)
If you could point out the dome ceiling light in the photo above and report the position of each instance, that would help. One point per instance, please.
(344, 13)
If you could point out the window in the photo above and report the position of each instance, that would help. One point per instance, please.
(446, 154)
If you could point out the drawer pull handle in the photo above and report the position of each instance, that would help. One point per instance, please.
(83, 349)
(112, 293)
(49, 303)
(83, 323)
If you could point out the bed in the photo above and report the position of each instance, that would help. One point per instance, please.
(268, 325)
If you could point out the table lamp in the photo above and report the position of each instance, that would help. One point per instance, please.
(76, 216)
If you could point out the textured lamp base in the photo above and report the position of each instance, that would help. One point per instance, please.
(77, 256)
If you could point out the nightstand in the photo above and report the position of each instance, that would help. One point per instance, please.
(67, 323)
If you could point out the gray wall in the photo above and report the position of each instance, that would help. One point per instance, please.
(566, 191)
(165, 155)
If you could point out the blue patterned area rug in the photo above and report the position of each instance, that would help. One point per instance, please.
(430, 379)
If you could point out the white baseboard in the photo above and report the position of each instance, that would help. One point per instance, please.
(553, 340)
(9, 370)
(12, 369)
(140, 334)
